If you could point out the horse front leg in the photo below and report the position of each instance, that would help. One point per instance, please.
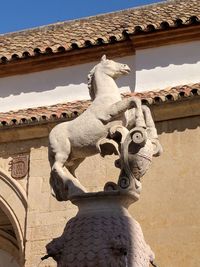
(122, 106)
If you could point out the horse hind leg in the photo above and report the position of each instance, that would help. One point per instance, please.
(74, 165)
(63, 183)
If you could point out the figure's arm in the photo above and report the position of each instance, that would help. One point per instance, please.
(151, 131)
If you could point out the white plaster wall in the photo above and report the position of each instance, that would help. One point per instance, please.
(53, 86)
(152, 69)
(6, 260)
(166, 66)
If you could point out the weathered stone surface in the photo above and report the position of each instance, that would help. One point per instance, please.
(171, 228)
(104, 128)
(101, 234)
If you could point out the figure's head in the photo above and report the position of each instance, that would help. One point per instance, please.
(112, 68)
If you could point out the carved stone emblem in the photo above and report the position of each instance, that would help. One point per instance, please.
(19, 166)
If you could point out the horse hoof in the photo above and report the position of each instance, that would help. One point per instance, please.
(75, 188)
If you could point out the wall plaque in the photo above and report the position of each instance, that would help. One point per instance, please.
(19, 166)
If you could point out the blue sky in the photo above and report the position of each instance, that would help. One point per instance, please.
(22, 14)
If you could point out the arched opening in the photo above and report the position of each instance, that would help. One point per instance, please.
(7, 260)
(9, 250)
(13, 206)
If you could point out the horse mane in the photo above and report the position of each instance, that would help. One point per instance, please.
(90, 85)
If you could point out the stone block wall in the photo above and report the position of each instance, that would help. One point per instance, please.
(46, 217)
(168, 210)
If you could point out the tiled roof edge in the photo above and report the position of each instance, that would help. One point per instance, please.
(70, 110)
(113, 38)
(192, 17)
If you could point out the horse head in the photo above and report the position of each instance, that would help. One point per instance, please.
(106, 67)
(112, 68)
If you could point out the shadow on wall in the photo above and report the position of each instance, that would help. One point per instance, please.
(62, 77)
(6, 149)
(6, 260)
(180, 54)
(178, 125)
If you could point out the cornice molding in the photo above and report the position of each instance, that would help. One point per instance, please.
(161, 111)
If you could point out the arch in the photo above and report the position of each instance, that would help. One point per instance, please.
(13, 202)
(9, 244)
(7, 259)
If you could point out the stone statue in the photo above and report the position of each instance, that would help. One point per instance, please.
(103, 234)
(136, 149)
(71, 142)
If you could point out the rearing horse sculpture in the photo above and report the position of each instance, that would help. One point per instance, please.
(71, 142)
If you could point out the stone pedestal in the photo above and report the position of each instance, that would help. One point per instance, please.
(102, 234)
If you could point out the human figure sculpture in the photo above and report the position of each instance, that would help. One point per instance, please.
(71, 142)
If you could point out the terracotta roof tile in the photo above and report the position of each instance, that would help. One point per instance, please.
(67, 111)
(107, 26)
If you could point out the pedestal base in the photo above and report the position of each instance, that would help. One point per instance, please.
(102, 234)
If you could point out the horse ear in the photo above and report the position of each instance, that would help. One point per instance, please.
(103, 58)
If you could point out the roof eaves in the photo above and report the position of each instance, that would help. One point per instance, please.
(136, 21)
(68, 111)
